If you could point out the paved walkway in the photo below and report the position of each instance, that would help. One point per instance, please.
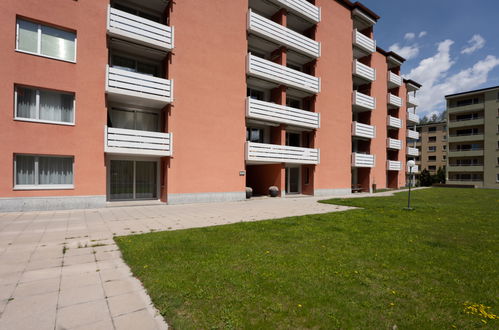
(62, 270)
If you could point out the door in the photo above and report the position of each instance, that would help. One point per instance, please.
(293, 180)
(132, 180)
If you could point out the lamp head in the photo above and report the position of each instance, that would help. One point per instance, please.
(411, 164)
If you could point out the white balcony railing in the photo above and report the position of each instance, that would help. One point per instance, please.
(276, 113)
(393, 144)
(394, 100)
(393, 165)
(412, 117)
(267, 70)
(363, 101)
(138, 86)
(412, 151)
(273, 153)
(363, 42)
(393, 122)
(123, 25)
(283, 36)
(363, 71)
(412, 134)
(135, 142)
(394, 80)
(363, 160)
(415, 169)
(363, 130)
(302, 8)
(412, 101)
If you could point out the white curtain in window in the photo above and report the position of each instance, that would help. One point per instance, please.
(27, 36)
(55, 106)
(58, 43)
(26, 102)
(146, 121)
(122, 119)
(25, 170)
(55, 170)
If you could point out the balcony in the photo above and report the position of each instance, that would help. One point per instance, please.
(412, 134)
(466, 137)
(283, 36)
(415, 169)
(363, 160)
(466, 122)
(393, 165)
(363, 42)
(273, 153)
(275, 113)
(412, 117)
(393, 144)
(394, 80)
(394, 100)
(363, 130)
(301, 8)
(465, 152)
(465, 168)
(133, 142)
(135, 88)
(363, 71)
(411, 101)
(412, 151)
(393, 122)
(279, 74)
(363, 102)
(139, 30)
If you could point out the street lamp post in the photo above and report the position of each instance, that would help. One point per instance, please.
(410, 165)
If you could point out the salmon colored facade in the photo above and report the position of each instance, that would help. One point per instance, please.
(195, 101)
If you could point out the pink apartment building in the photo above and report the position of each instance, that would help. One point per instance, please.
(193, 101)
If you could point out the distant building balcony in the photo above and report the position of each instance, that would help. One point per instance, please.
(363, 102)
(363, 130)
(273, 153)
(412, 118)
(394, 80)
(394, 100)
(363, 160)
(393, 165)
(412, 134)
(412, 151)
(363, 71)
(411, 101)
(301, 8)
(138, 143)
(363, 42)
(393, 122)
(393, 144)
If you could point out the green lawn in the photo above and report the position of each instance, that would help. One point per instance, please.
(374, 267)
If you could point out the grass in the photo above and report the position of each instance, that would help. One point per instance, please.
(369, 268)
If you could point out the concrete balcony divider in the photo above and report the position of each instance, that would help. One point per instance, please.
(267, 70)
(126, 86)
(363, 42)
(283, 36)
(135, 142)
(412, 134)
(281, 114)
(394, 80)
(363, 130)
(363, 71)
(363, 160)
(393, 165)
(273, 153)
(412, 151)
(393, 144)
(412, 117)
(302, 8)
(127, 26)
(393, 122)
(412, 101)
(363, 102)
(394, 100)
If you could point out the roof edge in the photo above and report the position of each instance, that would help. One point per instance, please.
(473, 91)
(360, 6)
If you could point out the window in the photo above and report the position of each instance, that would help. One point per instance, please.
(44, 40)
(444, 157)
(254, 134)
(44, 105)
(432, 129)
(465, 102)
(134, 119)
(432, 139)
(255, 94)
(432, 158)
(444, 138)
(43, 172)
(432, 148)
(432, 168)
(133, 65)
(137, 12)
(293, 103)
(497, 177)
(444, 147)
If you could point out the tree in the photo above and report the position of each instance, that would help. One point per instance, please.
(425, 179)
(440, 176)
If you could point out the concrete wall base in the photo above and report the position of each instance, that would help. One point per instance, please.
(212, 197)
(332, 192)
(21, 204)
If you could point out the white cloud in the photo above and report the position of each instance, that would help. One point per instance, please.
(409, 36)
(475, 43)
(422, 34)
(433, 74)
(406, 52)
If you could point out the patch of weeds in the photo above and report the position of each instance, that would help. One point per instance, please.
(64, 249)
(98, 244)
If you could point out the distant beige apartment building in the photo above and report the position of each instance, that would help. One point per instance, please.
(432, 145)
(473, 128)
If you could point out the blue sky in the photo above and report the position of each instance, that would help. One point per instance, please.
(450, 46)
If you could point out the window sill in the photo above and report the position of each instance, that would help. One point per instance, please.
(43, 121)
(45, 187)
(46, 56)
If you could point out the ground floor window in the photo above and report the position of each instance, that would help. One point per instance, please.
(43, 172)
(133, 180)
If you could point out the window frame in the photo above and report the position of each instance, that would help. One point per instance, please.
(39, 38)
(42, 121)
(38, 186)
